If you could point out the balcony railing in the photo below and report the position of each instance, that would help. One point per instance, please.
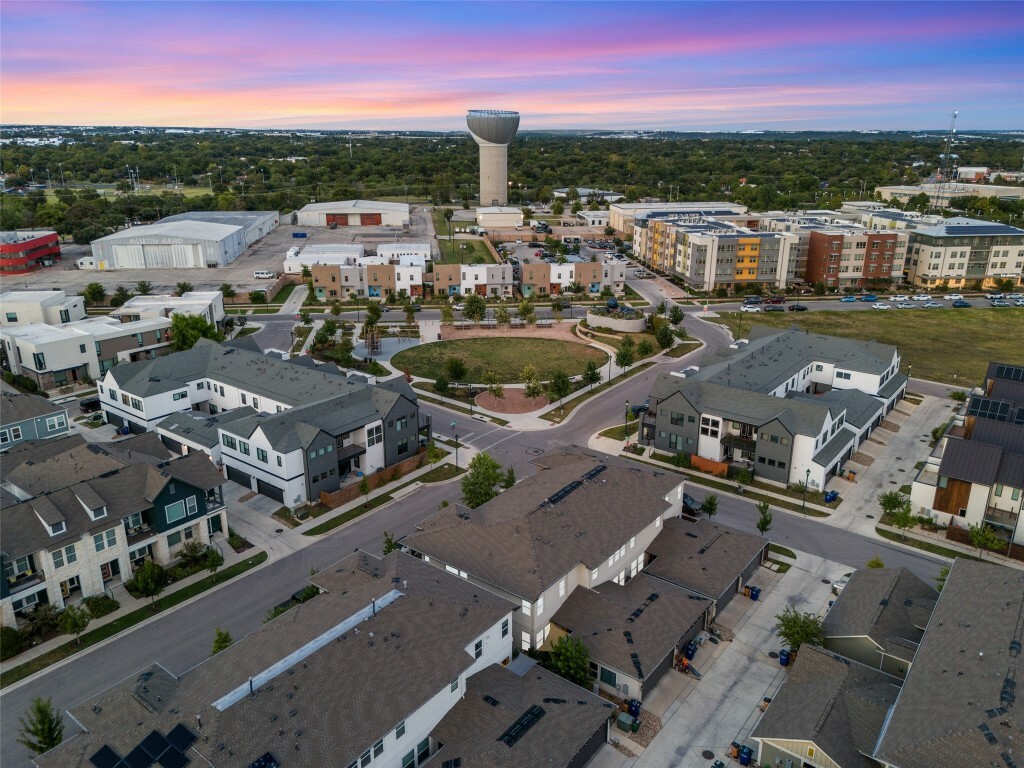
(1001, 517)
(139, 533)
(24, 581)
(738, 441)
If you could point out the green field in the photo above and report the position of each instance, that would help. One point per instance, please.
(504, 356)
(948, 345)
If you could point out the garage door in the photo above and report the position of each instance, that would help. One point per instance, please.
(340, 219)
(239, 477)
(271, 491)
(369, 219)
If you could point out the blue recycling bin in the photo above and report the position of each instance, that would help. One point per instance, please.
(126, 430)
(634, 708)
(784, 657)
(755, 593)
(746, 755)
(691, 650)
(831, 496)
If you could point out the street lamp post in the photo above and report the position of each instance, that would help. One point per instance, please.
(456, 436)
(626, 422)
(807, 479)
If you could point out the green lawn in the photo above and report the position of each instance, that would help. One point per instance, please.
(931, 341)
(283, 294)
(505, 356)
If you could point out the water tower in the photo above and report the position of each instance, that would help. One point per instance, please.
(493, 130)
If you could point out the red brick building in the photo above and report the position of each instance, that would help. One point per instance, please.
(27, 251)
(842, 258)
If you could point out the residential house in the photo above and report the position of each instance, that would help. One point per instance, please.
(827, 714)
(535, 278)
(90, 533)
(49, 307)
(28, 417)
(417, 634)
(579, 522)
(341, 282)
(208, 305)
(879, 619)
(975, 475)
(768, 403)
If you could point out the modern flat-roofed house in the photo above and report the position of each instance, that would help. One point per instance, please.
(28, 417)
(389, 647)
(208, 305)
(773, 404)
(581, 521)
(879, 618)
(49, 307)
(84, 534)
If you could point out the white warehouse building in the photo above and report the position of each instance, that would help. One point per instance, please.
(353, 213)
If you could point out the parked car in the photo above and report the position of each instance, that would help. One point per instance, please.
(690, 504)
(906, 305)
(1000, 303)
(961, 304)
(880, 305)
(750, 308)
(848, 299)
(797, 308)
(1014, 296)
(90, 405)
(842, 581)
(868, 297)
(931, 305)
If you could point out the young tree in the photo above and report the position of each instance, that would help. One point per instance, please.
(875, 562)
(675, 315)
(186, 330)
(476, 308)
(306, 272)
(441, 385)
(43, 729)
(144, 287)
(73, 621)
(373, 313)
(764, 520)
(904, 519)
(890, 501)
(390, 545)
(94, 293)
(336, 308)
(455, 369)
(257, 297)
(214, 560)
(501, 315)
(510, 479)
(533, 389)
(624, 357)
(410, 313)
(447, 314)
(221, 641)
(710, 505)
(364, 490)
(149, 581)
(591, 374)
(557, 208)
(121, 295)
(664, 336)
(305, 317)
(528, 372)
(570, 660)
(797, 628)
(661, 308)
(493, 385)
(560, 386)
(479, 482)
(183, 287)
(983, 537)
(227, 291)
(447, 213)
(644, 348)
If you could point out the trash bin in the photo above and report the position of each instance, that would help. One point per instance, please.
(623, 722)
(691, 650)
(746, 754)
(126, 430)
(784, 657)
(734, 750)
(636, 725)
(755, 593)
(634, 708)
(746, 591)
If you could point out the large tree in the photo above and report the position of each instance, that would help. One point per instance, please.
(476, 308)
(43, 727)
(478, 484)
(571, 660)
(797, 628)
(186, 330)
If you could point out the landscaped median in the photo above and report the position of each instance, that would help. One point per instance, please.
(560, 412)
(129, 620)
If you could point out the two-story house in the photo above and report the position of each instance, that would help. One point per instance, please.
(28, 417)
(48, 307)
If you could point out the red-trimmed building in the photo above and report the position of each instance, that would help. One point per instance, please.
(27, 251)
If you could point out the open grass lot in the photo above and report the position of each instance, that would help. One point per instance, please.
(505, 356)
(948, 345)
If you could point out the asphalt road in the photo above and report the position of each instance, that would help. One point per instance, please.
(181, 639)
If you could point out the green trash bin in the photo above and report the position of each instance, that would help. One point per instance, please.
(636, 725)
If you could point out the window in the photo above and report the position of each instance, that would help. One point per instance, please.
(105, 540)
(527, 608)
(540, 605)
(175, 511)
(136, 404)
(229, 442)
(594, 574)
(56, 422)
(378, 748)
(455, 685)
(12, 317)
(504, 633)
(243, 447)
(261, 455)
(675, 442)
(279, 462)
(62, 556)
(403, 446)
(365, 759)
(200, 385)
(135, 520)
(999, 490)
(5, 436)
(245, 400)
(180, 396)
(608, 677)
(709, 426)
(58, 528)
(410, 759)
(561, 588)
(400, 730)
(843, 375)
(191, 506)
(256, 403)
(38, 361)
(1016, 494)
(677, 419)
(174, 539)
(374, 435)
(478, 649)
(113, 395)
(401, 423)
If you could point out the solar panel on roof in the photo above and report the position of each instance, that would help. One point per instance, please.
(155, 744)
(181, 738)
(992, 229)
(105, 758)
(172, 758)
(266, 760)
(138, 758)
(986, 408)
(518, 729)
(1013, 372)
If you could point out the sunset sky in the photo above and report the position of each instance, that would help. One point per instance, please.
(421, 65)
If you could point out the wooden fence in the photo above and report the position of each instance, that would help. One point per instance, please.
(334, 499)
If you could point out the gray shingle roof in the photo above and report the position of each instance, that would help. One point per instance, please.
(861, 408)
(889, 605)
(842, 439)
(408, 653)
(702, 556)
(201, 428)
(472, 729)
(961, 689)
(15, 407)
(605, 619)
(837, 704)
(37, 472)
(519, 543)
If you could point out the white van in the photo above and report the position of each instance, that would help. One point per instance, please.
(264, 274)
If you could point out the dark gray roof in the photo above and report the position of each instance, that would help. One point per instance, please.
(837, 704)
(1000, 383)
(605, 619)
(36, 472)
(970, 461)
(842, 440)
(703, 556)
(1009, 437)
(410, 649)
(145, 447)
(798, 416)
(472, 729)
(520, 543)
(889, 605)
(958, 703)
(861, 408)
(16, 406)
(201, 428)
(893, 385)
(248, 343)
(262, 376)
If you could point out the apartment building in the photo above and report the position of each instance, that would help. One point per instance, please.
(48, 307)
(847, 256)
(975, 475)
(491, 280)
(622, 216)
(789, 405)
(541, 278)
(56, 356)
(333, 281)
(654, 232)
(208, 305)
(961, 251)
(28, 417)
(310, 430)
(72, 534)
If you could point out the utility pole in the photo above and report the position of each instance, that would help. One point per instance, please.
(456, 436)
